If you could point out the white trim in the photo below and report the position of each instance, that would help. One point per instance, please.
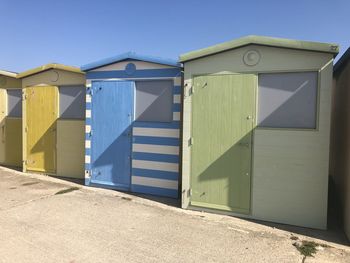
(177, 81)
(156, 132)
(176, 116)
(154, 182)
(159, 166)
(177, 98)
(151, 148)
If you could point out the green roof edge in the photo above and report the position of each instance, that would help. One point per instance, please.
(264, 41)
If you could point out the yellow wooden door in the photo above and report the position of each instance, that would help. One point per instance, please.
(3, 112)
(40, 119)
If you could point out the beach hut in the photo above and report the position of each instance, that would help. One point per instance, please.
(133, 124)
(340, 147)
(54, 120)
(256, 128)
(10, 119)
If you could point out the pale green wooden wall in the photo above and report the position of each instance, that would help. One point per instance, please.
(290, 167)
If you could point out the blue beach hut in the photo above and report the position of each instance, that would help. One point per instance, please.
(133, 109)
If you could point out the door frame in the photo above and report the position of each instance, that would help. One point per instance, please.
(255, 103)
(91, 181)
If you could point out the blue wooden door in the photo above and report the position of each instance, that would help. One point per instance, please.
(112, 117)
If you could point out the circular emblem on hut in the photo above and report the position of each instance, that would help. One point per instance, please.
(3, 81)
(54, 76)
(130, 68)
(251, 58)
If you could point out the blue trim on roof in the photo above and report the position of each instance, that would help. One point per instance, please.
(129, 55)
(141, 73)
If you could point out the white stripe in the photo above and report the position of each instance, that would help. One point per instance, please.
(88, 98)
(153, 182)
(176, 116)
(159, 166)
(151, 148)
(177, 98)
(87, 159)
(88, 113)
(177, 81)
(87, 144)
(87, 128)
(156, 132)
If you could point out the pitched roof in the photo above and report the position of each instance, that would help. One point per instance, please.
(342, 62)
(47, 67)
(8, 73)
(127, 56)
(261, 40)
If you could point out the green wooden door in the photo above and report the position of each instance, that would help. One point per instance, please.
(223, 113)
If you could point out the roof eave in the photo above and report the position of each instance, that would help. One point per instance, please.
(126, 56)
(263, 41)
(8, 74)
(48, 67)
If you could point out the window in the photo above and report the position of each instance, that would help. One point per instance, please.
(14, 103)
(72, 102)
(154, 100)
(288, 100)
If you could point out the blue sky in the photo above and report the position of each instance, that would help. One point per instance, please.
(76, 32)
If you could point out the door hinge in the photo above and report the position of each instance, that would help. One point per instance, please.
(190, 192)
(26, 129)
(190, 141)
(88, 173)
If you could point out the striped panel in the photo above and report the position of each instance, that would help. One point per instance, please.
(158, 166)
(154, 182)
(156, 132)
(155, 174)
(165, 125)
(156, 140)
(151, 148)
(169, 158)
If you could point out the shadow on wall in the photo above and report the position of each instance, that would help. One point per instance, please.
(112, 160)
(72, 102)
(41, 147)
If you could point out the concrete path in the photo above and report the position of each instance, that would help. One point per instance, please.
(98, 225)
